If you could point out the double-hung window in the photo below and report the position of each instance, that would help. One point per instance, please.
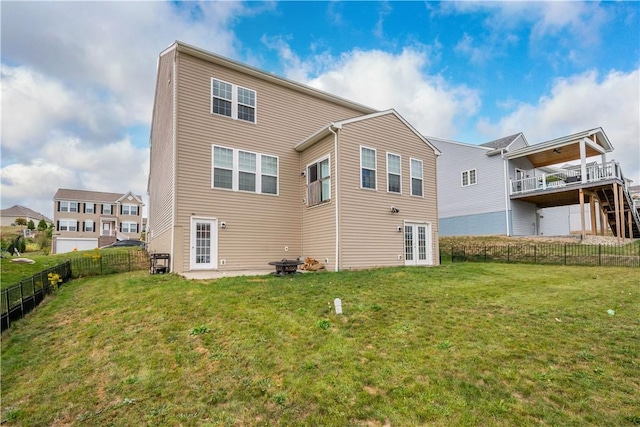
(106, 209)
(469, 177)
(233, 101)
(394, 176)
(129, 227)
(240, 170)
(88, 226)
(67, 225)
(368, 167)
(416, 177)
(89, 208)
(246, 171)
(68, 207)
(319, 184)
(129, 209)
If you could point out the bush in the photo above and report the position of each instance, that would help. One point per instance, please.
(31, 225)
(42, 225)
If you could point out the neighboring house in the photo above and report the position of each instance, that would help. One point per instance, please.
(92, 219)
(10, 215)
(248, 168)
(509, 187)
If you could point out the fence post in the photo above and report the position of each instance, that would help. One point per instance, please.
(21, 301)
(508, 252)
(6, 294)
(535, 254)
(565, 254)
(485, 253)
(599, 255)
(129, 257)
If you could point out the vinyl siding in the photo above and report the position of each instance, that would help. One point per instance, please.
(160, 209)
(318, 222)
(487, 196)
(368, 229)
(259, 226)
(474, 225)
(523, 216)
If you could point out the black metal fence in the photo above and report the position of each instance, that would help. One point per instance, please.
(546, 253)
(19, 299)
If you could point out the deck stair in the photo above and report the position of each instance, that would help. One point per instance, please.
(607, 202)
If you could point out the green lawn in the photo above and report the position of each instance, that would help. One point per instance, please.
(462, 344)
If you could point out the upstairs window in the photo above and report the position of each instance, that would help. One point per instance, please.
(319, 182)
(89, 208)
(469, 178)
(416, 177)
(233, 101)
(106, 209)
(393, 173)
(68, 207)
(129, 209)
(368, 167)
(240, 170)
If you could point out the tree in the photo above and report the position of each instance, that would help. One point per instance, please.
(42, 225)
(21, 221)
(31, 225)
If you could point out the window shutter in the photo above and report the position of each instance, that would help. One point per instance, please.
(83, 225)
(58, 224)
(120, 209)
(101, 208)
(77, 225)
(121, 227)
(58, 206)
(84, 210)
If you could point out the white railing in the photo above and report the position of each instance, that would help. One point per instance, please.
(543, 182)
(108, 233)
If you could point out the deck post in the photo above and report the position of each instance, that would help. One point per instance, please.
(592, 212)
(616, 202)
(583, 232)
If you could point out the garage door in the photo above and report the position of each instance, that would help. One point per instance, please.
(64, 245)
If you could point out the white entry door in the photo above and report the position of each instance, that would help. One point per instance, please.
(204, 243)
(417, 244)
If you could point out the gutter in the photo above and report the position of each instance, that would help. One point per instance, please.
(506, 190)
(333, 128)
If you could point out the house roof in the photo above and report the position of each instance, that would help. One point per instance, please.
(256, 72)
(22, 211)
(328, 130)
(501, 143)
(565, 149)
(90, 196)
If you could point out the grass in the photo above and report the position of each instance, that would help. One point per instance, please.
(12, 273)
(461, 344)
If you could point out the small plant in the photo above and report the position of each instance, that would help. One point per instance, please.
(280, 398)
(199, 330)
(376, 307)
(54, 280)
(324, 324)
(445, 345)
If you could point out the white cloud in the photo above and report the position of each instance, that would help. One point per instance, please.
(66, 163)
(384, 80)
(578, 103)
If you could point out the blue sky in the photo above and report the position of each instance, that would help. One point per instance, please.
(78, 77)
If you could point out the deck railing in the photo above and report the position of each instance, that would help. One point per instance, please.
(567, 177)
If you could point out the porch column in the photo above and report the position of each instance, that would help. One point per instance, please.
(603, 220)
(592, 212)
(583, 232)
(583, 160)
(616, 202)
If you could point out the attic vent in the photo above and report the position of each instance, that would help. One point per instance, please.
(129, 198)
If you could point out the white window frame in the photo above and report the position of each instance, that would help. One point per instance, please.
(128, 209)
(65, 223)
(128, 225)
(375, 169)
(110, 209)
(413, 176)
(90, 210)
(236, 102)
(320, 180)
(399, 175)
(66, 206)
(466, 176)
(93, 226)
(235, 171)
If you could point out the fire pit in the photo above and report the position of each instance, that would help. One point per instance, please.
(286, 266)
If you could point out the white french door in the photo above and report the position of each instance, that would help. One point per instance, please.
(204, 243)
(417, 244)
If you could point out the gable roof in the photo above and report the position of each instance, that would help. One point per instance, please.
(90, 196)
(22, 211)
(328, 130)
(500, 143)
(258, 73)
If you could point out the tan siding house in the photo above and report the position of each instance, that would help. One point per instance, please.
(244, 170)
(92, 219)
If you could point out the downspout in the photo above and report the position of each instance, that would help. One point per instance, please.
(506, 190)
(337, 215)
